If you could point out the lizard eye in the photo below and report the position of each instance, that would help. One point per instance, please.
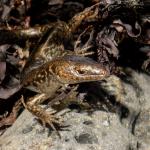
(81, 71)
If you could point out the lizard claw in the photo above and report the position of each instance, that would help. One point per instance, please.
(50, 118)
(83, 50)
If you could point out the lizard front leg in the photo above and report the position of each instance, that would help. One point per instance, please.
(46, 117)
(65, 99)
(88, 13)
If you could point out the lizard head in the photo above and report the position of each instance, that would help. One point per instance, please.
(76, 69)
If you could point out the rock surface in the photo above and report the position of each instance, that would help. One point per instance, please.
(100, 130)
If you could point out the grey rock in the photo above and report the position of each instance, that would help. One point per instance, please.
(106, 132)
